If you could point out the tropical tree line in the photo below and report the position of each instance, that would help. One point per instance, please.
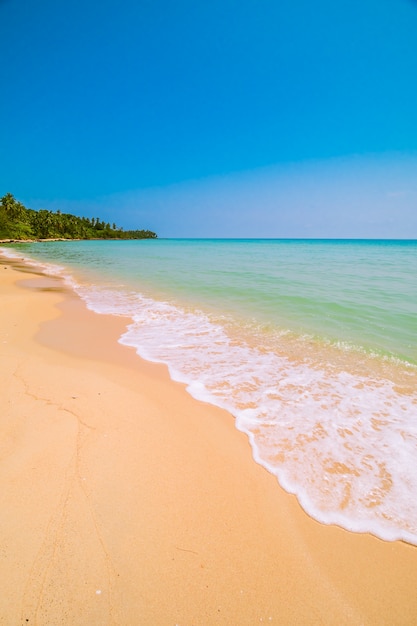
(19, 223)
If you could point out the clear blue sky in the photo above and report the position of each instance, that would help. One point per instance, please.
(221, 118)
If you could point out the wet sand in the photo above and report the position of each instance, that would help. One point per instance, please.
(125, 501)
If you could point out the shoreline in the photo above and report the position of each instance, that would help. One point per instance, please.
(130, 502)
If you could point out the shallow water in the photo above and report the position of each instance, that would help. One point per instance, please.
(311, 345)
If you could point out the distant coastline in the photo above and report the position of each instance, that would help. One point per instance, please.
(20, 224)
(52, 239)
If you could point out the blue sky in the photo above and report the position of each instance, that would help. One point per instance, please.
(223, 118)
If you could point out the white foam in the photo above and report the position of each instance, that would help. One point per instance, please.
(345, 444)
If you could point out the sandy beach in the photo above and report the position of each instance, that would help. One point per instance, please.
(124, 501)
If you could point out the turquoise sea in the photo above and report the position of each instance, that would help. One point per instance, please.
(310, 344)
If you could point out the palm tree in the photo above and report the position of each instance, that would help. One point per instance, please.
(14, 209)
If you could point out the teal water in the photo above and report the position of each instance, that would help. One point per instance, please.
(310, 344)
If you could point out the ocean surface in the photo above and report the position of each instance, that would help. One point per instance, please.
(311, 345)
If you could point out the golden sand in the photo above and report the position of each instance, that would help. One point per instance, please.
(125, 501)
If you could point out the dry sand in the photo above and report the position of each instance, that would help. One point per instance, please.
(124, 501)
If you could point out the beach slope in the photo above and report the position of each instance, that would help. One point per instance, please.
(125, 501)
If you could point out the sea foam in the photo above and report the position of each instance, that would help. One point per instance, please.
(343, 441)
(345, 444)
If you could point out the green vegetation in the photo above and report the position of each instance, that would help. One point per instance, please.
(19, 223)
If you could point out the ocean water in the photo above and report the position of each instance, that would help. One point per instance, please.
(311, 345)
